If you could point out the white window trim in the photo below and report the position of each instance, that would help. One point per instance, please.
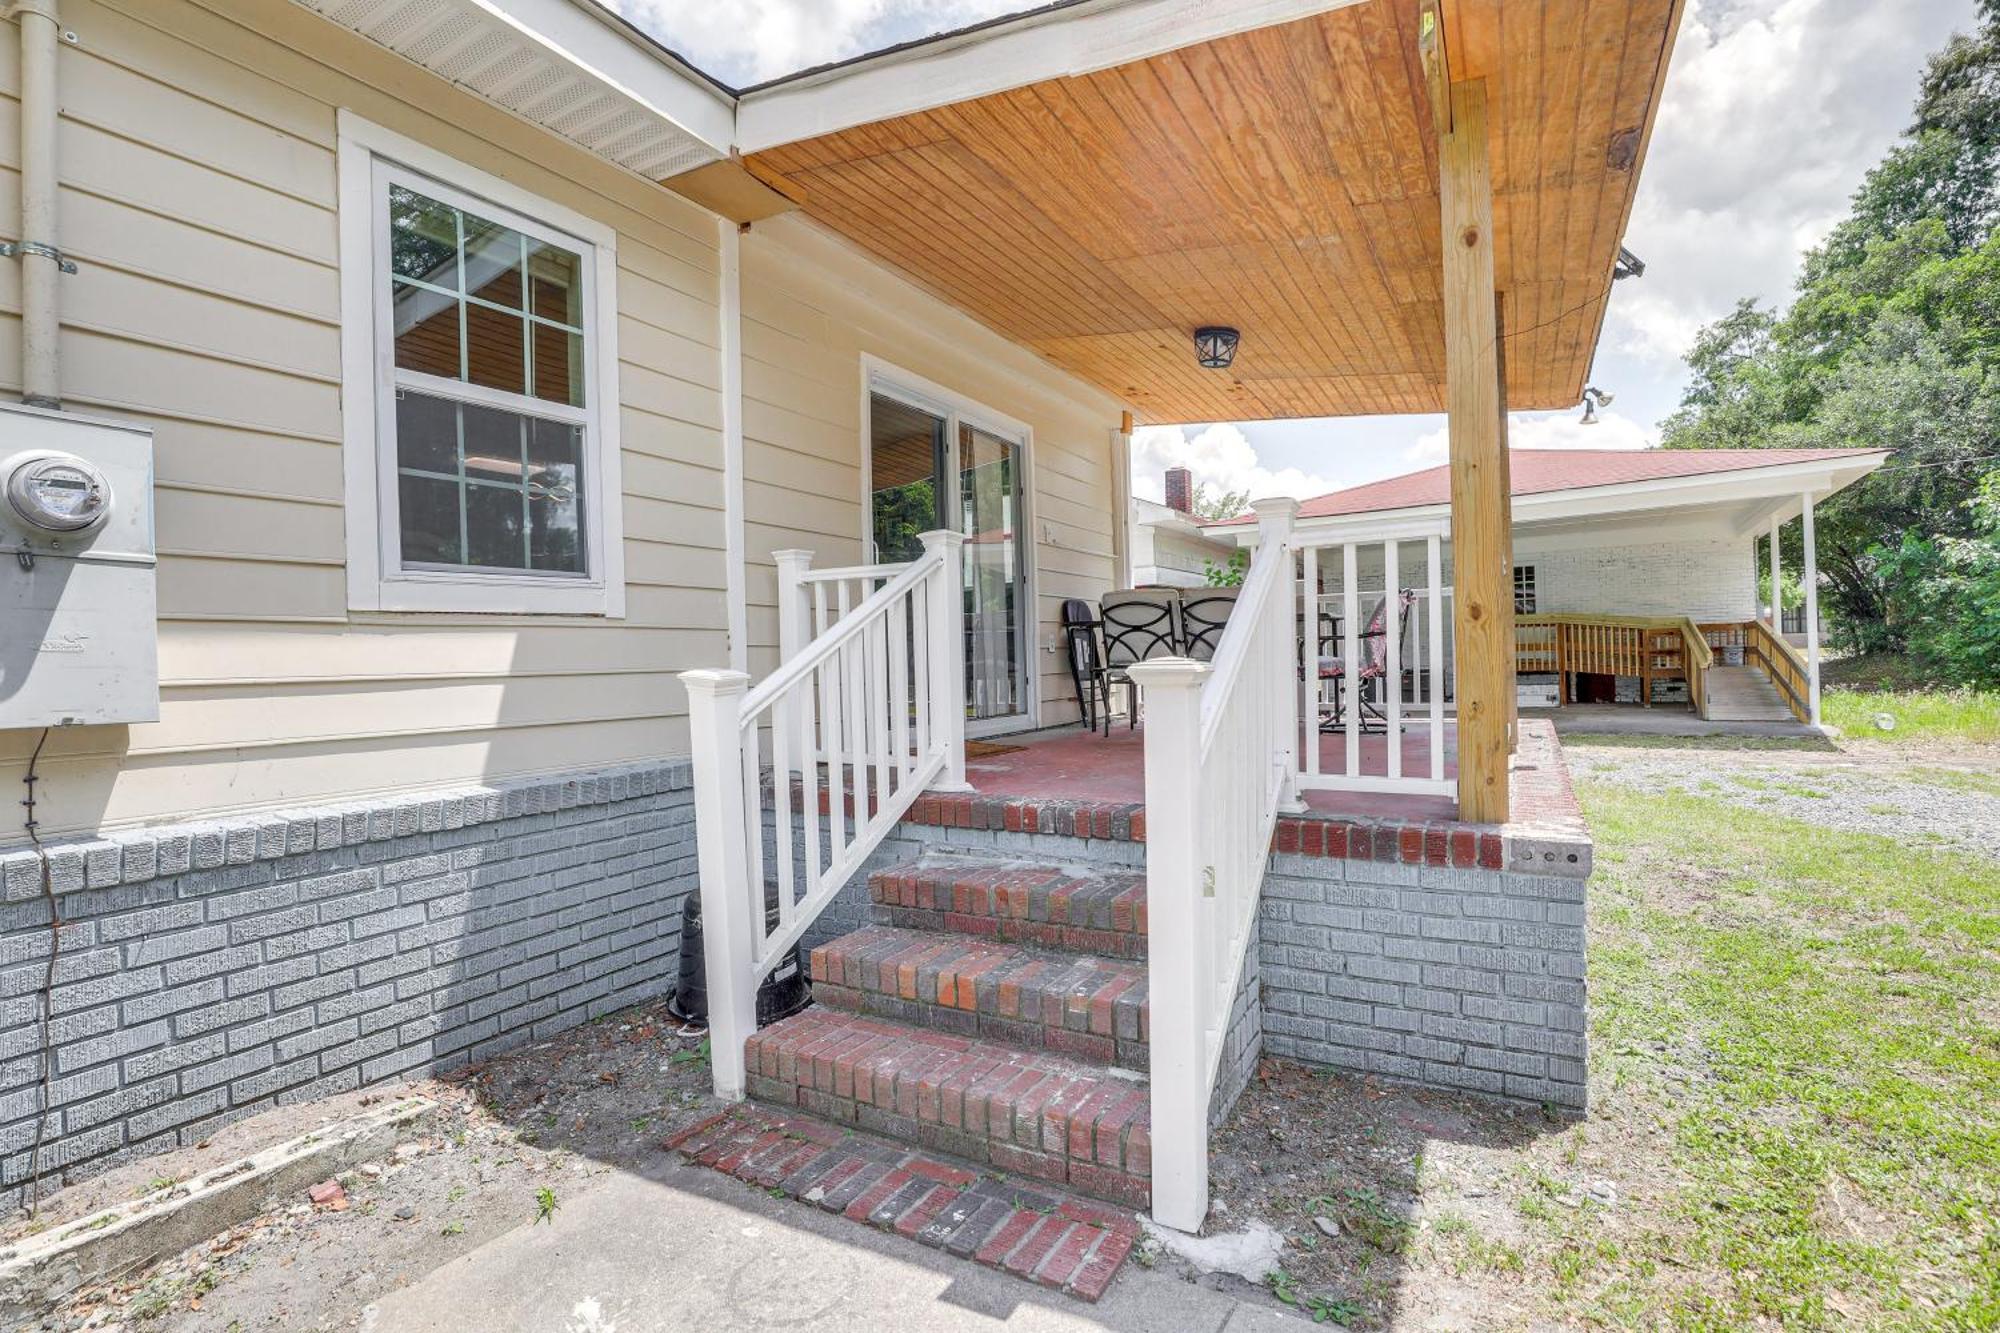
(908, 387)
(374, 583)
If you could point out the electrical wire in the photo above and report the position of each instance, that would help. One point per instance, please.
(48, 977)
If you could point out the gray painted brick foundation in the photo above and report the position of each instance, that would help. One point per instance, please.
(1458, 978)
(1469, 979)
(208, 971)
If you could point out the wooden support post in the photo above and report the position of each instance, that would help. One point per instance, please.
(1483, 592)
(1811, 573)
(1507, 522)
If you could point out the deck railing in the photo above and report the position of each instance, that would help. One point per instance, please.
(1646, 647)
(1361, 689)
(1220, 757)
(1785, 665)
(857, 721)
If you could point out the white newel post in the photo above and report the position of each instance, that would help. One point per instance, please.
(722, 834)
(1812, 610)
(1171, 689)
(794, 631)
(945, 603)
(1276, 517)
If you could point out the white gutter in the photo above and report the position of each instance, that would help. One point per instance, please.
(37, 247)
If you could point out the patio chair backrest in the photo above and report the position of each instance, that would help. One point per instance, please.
(1204, 615)
(1139, 624)
(1375, 639)
(1079, 624)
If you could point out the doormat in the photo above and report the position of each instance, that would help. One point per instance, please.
(988, 749)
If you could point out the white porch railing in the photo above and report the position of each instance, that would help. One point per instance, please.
(1221, 743)
(858, 720)
(1370, 671)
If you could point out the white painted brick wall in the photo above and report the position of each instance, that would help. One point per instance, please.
(1704, 580)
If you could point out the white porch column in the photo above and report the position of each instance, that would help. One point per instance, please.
(1812, 609)
(1777, 585)
(729, 319)
(1276, 517)
(722, 834)
(1177, 954)
(945, 604)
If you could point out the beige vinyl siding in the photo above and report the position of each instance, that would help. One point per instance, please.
(198, 173)
(812, 309)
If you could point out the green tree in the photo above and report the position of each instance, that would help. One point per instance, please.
(1214, 506)
(1892, 341)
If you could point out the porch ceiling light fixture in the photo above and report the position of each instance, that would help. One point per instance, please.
(1594, 398)
(1215, 346)
(1628, 265)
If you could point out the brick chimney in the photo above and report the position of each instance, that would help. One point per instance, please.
(1180, 489)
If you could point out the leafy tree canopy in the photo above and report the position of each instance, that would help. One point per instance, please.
(1893, 341)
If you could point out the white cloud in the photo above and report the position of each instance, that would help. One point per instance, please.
(743, 42)
(1220, 457)
(1545, 430)
(1774, 110)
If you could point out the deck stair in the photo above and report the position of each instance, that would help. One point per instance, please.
(1744, 694)
(974, 1020)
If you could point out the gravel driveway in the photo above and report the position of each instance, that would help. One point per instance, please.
(1943, 796)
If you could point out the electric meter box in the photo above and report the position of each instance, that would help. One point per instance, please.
(78, 613)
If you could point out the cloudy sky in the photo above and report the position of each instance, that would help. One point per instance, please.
(1774, 110)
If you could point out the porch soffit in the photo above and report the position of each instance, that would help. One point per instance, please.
(1282, 180)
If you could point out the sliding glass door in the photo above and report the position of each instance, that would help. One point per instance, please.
(931, 466)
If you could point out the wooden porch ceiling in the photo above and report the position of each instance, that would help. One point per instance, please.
(1285, 181)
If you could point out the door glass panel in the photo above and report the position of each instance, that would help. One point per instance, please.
(989, 480)
(906, 462)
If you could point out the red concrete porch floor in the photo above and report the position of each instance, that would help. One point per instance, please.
(1071, 764)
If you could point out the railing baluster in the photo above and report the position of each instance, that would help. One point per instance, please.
(1434, 557)
(1392, 629)
(1309, 580)
(1350, 654)
(883, 702)
(899, 689)
(808, 723)
(781, 809)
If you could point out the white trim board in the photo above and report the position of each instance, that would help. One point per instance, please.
(1049, 44)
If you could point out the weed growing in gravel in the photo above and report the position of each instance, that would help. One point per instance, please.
(545, 1205)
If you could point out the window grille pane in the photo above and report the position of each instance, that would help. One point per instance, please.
(493, 527)
(426, 434)
(493, 262)
(426, 326)
(429, 520)
(555, 496)
(558, 365)
(423, 238)
(495, 349)
(555, 288)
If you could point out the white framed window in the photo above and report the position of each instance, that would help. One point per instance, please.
(479, 389)
(1524, 590)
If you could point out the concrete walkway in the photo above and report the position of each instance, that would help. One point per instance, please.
(688, 1249)
(1660, 720)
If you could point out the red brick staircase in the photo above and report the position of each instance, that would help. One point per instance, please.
(996, 1014)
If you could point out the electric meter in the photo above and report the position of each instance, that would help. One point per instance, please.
(58, 492)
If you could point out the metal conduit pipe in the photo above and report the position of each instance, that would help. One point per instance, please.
(42, 262)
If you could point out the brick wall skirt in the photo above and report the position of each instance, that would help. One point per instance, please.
(208, 971)
(1459, 978)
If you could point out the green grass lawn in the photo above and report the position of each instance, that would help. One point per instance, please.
(1796, 1034)
(1921, 715)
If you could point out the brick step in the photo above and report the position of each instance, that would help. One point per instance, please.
(1027, 1113)
(1093, 1009)
(1053, 907)
(1032, 1231)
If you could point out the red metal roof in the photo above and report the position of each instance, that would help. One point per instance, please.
(1538, 471)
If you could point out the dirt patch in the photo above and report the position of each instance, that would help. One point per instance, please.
(511, 1139)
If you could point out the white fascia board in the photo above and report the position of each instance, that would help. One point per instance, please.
(575, 32)
(1055, 44)
(1780, 483)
